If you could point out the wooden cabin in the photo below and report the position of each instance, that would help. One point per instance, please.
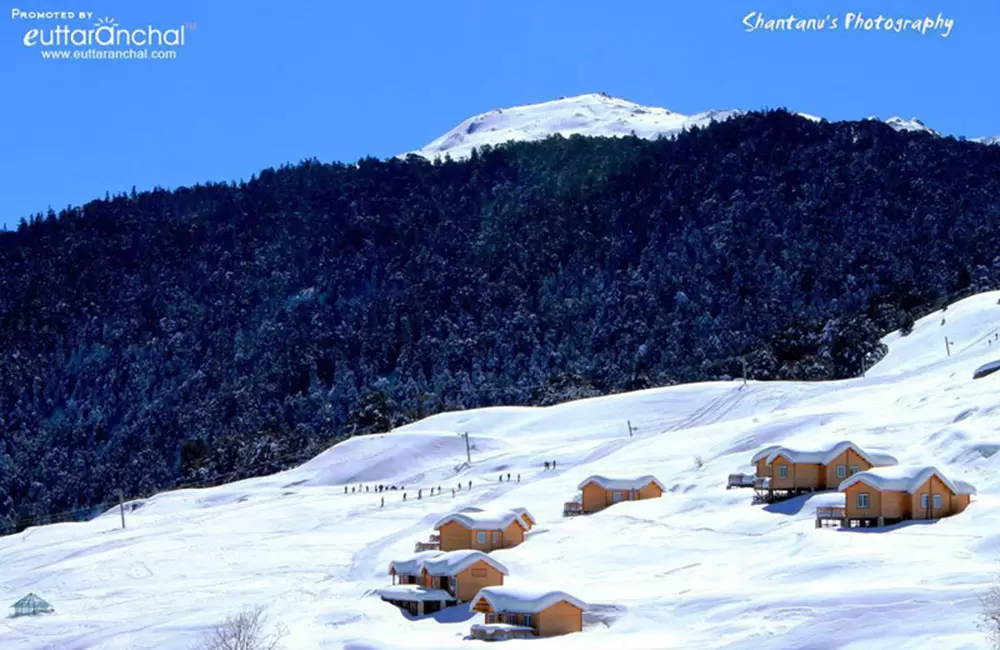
(785, 471)
(429, 582)
(481, 530)
(888, 495)
(599, 492)
(519, 612)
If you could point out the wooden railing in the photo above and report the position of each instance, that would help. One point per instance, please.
(426, 546)
(831, 512)
(500, 632)
(571, 508)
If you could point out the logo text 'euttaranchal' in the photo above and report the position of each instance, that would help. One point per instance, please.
(105, 33)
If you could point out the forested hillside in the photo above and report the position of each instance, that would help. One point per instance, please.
(163, 336)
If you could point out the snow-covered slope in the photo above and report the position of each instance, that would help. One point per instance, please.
(699, 568)
(595, 114)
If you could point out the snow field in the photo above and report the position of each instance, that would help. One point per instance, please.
(699, 568)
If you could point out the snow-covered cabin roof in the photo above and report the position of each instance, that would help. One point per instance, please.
(413, 592)
(528, 517)
(454, 562)
(484, 519)
(635, 483)
(412, 566)
(904, 478)
(823, 455)
(523, 600)
(763, 453)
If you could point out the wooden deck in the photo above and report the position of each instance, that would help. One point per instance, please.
(740, 481)
(572, 508)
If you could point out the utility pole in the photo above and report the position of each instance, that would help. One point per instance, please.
(468, 452)
(629, 428)
(121, 506)
(947, 345)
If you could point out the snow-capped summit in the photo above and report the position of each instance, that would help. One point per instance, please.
(994, 139)
(912, 124)
(594, 114)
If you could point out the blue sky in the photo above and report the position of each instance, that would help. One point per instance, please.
(261, 83)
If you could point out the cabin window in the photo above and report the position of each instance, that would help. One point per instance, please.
(862, 500)
(479, 573)
(937, 500)
(481, 537)
(783, 471)
(855, 469)
(527, 621)
(491, 618)
(841, 471)
(924, 500)
(616, 496)
(496, 538)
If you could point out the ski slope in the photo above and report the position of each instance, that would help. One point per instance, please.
(699, 568)
(594, 114)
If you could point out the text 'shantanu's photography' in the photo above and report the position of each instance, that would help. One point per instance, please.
(579, 325)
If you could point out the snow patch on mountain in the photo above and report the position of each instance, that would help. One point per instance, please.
(912, 124)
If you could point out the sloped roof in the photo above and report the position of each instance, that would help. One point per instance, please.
(483, 519)
(523, 600)
(632, 483)
(524, 513)
(521, 511)
(763, 453)
(822, 455)
(453, 562)
(31, 600)
(413, 592)
(412, 566)
(905, 478)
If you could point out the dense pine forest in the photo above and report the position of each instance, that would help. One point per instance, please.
(158, 338)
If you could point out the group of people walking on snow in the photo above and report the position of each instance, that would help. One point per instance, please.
(420, 492)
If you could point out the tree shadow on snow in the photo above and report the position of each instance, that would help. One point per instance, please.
(455, 614)
(792, 506)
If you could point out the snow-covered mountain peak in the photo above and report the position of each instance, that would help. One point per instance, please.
(594, 114)
(994, 140)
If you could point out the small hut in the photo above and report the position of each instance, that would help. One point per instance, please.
(31, 605)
